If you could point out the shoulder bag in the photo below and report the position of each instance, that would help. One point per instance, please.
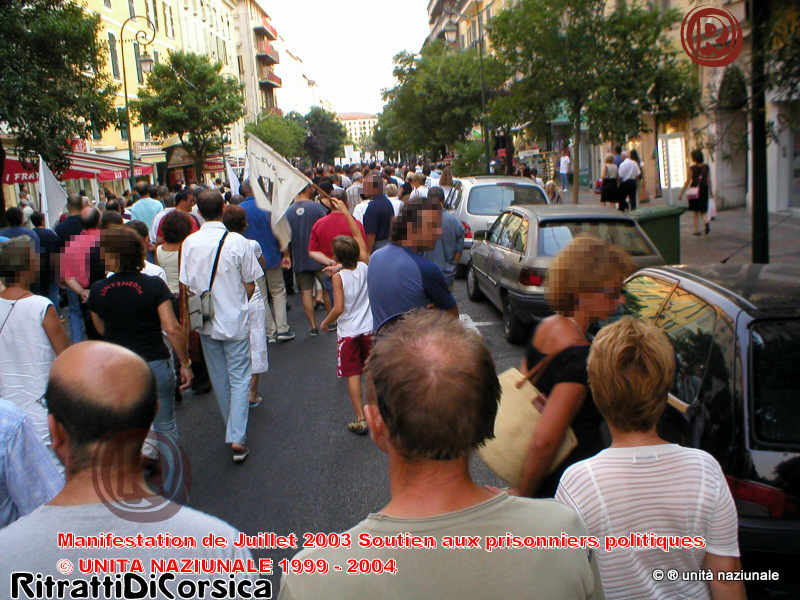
(517, 419)
(201, 308)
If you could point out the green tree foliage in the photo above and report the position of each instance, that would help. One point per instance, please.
(469, 158)
(285, 135)
(437, 99)
(52, 84)
(326, 136)
(594, 65)
(188, 97)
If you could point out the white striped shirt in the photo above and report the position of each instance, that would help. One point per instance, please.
(664, 489)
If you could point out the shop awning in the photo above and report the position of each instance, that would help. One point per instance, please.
(83, 165)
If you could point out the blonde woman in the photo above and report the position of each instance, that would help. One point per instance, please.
(643, 483)
(446, 182)
(584, 285)
(609, 193)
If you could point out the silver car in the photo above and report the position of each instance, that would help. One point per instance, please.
(476, 202)
(509, 261)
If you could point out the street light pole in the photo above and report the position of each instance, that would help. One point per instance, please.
(483, 106)
(143, 37)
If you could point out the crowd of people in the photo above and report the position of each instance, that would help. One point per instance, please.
(188, 289)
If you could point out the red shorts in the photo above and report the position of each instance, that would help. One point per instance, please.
(352, 353)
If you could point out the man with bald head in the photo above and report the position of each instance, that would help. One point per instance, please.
(98, 422)
(81, 265)
(379, 214)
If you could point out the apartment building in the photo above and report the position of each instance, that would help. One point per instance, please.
(257, 57)
(358, 125)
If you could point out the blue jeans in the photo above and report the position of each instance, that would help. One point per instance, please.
(564, 180)
(76, 326)
(51, 292)
(327, 285)
(229, 368)
(165, 423)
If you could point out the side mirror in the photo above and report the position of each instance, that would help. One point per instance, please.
(481, 235)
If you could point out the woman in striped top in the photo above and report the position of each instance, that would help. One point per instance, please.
(643, 488)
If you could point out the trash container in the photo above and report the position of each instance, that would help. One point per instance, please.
(662, 224)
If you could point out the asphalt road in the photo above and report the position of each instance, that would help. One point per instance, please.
(306, 472)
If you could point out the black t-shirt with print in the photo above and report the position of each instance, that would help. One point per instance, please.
(128, 305)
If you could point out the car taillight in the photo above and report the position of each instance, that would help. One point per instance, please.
(468, 232)
(759, 500)
(531, 277)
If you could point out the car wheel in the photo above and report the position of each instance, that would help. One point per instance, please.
(473, 291)
(461, 271)
(515, 330)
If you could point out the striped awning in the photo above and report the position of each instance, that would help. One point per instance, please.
(83, 165)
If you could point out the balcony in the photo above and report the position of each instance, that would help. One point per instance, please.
(265, 27)
(268, 79)
(274, 110)
(266, 52)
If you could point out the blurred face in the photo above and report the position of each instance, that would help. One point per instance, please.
(604, 302)
(430, 230)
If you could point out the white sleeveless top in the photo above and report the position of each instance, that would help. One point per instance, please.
(611, 169)
(168, 260)
(25, 357)
(357, 316)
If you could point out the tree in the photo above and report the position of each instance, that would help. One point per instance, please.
(326, 136)
(437, 99)
(188, 97)
(286, 136)
(53, 87)
(593, 65)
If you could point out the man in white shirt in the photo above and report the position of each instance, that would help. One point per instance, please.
(354, 191)
(98, 422)
(226, 337)
(563, 169)
(629, 172)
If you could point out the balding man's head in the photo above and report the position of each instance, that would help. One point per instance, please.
(90, 218)
(434, 385)
(373, 185)
(89, 404)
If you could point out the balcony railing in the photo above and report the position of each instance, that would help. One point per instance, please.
(266, 52)
(269, 79)
(265, 27)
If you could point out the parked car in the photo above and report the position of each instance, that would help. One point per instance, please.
(735, 330)
(476, 202)
(508, 262)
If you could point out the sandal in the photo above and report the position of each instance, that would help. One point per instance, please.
(358, 427)
(256, 402)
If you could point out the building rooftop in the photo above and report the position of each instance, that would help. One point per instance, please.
(352, 116)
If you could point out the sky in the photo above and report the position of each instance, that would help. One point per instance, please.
(347, 46)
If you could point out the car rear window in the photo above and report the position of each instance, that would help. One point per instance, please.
(554, 235)
(493, 199)
(775, 385)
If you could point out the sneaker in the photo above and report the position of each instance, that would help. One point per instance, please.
(272, 339)
(240, 455)
(286, 336)
(313, 332)
(332, 326)
(288, 306)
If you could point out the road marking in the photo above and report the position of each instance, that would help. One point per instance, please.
(470, 324)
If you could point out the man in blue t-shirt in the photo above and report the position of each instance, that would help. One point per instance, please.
(379, 214)
(399, 278)
(259, 228)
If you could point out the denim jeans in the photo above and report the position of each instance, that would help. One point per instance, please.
(564, 180)
(327, 285)
(164, 423)
(76, 326)
(229, 368)
(51, 292)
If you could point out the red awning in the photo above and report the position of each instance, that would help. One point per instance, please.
(83, 165)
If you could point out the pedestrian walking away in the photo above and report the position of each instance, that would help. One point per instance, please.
(698, 190)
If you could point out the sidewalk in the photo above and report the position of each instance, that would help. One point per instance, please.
(729, 232)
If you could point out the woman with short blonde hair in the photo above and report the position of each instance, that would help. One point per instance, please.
(644, 484)
(584, 285)
(609, 193)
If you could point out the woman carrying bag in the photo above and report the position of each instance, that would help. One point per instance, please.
(584, 286)
(698, 190)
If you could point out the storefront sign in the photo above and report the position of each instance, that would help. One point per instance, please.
(146, 147)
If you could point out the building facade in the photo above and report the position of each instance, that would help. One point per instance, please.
(299, 91)
(257, 58)
(358, 125)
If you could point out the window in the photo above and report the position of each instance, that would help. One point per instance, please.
(97, 134)
(497, 229)
(146, 128)
(644, 297)
(122, 123)
(139, 76)
(155, 56)
(554, 235)
(152, 12)
(112, 51)
(689, 323)
(509, 236)
(107, 3)
(169, 25)
(131, 8)
(493, 199)
(776, 388)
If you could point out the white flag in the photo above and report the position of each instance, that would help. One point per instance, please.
(54, 198)
(232, 178)
(246, 172)
(275, 183)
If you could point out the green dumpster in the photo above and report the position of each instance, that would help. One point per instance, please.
(662, 224)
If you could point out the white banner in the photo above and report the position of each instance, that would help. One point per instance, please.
(232, 178)
(54, 198)
(275, 184)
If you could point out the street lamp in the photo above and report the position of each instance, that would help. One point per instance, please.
(451, 32)
(143, 37)
(483, 93)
